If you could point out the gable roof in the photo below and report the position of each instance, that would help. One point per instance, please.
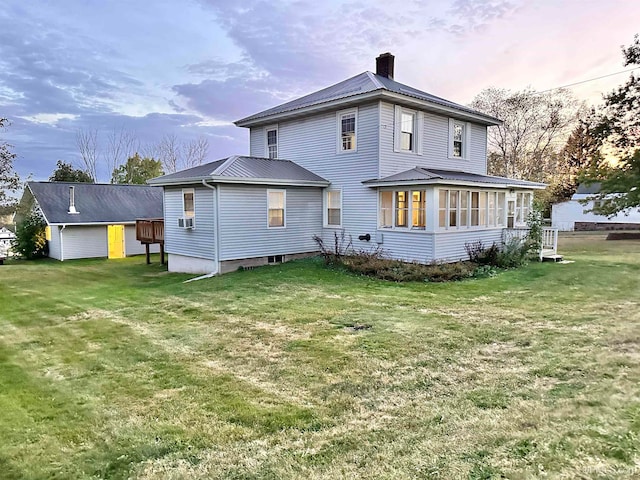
(247, 170)
(96, 203)
(364, 86)
(424, 176)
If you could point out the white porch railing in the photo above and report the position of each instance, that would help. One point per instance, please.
(549, 247)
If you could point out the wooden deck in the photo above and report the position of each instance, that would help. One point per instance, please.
(151, 231)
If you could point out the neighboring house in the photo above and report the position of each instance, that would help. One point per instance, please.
(6, 237)
(574, 215)
(388, 165)
(87, 220)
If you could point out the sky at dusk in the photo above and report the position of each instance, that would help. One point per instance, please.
(192, 67)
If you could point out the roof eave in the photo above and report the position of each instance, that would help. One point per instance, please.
(269, 181)
(478, 117)
(252, 120)
(158, 182)
(442, 181)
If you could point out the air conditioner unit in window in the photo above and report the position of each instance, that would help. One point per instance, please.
(185, 222)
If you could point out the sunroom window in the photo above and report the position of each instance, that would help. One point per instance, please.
(403, 209)
(467, 208)
(418, 203)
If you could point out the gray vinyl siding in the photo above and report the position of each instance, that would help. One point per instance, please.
(450, 246)
(478, 148)
(435, 146)
(133, 246)
(198, 242)
(54, 243)
(408, 246)
(256, 143)
(243, 222)
(312, 142)
(84, 242)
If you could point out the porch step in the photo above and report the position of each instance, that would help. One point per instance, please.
(552, 258)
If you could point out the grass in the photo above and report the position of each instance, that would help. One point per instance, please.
(116, 369)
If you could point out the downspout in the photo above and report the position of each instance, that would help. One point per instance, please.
(216, 224)
(62, 243)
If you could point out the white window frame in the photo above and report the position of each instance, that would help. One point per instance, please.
(326, 207)
(284, 207)
(466, 136)
(483, 212)
(192, 191)
(268, 129)
(409, 210)
(339, 116)
(418, 129)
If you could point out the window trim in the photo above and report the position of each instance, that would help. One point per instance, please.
(192, 191)
(284, 207)
(408, 209)
(339, 115)
(418, 130)
(271, 128)
(482, 210)
(325, 220)
(466, 137)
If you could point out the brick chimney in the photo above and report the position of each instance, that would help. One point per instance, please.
(384, 65)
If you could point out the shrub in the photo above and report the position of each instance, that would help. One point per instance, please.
(30, 241)
(481, 255)
(514, 253)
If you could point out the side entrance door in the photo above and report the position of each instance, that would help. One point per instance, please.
(116, 241)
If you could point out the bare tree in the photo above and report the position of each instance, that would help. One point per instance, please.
(167, 150)
(195, 152)
(121, 145)
(536, 126)
(87, 142)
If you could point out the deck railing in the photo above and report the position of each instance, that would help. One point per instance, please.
(150, 231)
(549, 241)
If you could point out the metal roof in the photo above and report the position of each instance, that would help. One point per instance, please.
(97, 203)
(244, 169)
(420, 175)
(366, 82)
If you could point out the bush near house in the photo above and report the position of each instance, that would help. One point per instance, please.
(30, 241)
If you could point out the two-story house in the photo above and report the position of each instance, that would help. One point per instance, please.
(385, 163)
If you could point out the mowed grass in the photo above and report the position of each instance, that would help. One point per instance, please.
(116, 369)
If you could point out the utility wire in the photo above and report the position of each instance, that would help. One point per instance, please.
(589, 80)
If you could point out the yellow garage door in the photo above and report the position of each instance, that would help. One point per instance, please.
(116, 241)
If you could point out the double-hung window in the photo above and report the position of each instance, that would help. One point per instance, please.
(347, 124)
(418, 204)
(408, 129)
(333, 208)
(402, 209)
(458, 139)
(272, 142)
(276, 200)
(188, 203)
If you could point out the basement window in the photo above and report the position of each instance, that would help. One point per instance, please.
(275, 259)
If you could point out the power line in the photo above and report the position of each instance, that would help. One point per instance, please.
(589, 80)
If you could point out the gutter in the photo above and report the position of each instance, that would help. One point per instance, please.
(216, 228)
(62, 243)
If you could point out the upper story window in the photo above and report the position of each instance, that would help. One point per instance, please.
(347, 124)
(188, 203)
(408, 130)
(276, 200)
(272, 142)
(333, 208)
(458, 139)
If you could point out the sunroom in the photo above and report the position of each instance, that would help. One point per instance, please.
(430, 215)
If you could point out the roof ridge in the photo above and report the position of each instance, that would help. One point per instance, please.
(376, 82)
(226, 164)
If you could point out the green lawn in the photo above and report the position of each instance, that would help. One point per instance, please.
(116, 369)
